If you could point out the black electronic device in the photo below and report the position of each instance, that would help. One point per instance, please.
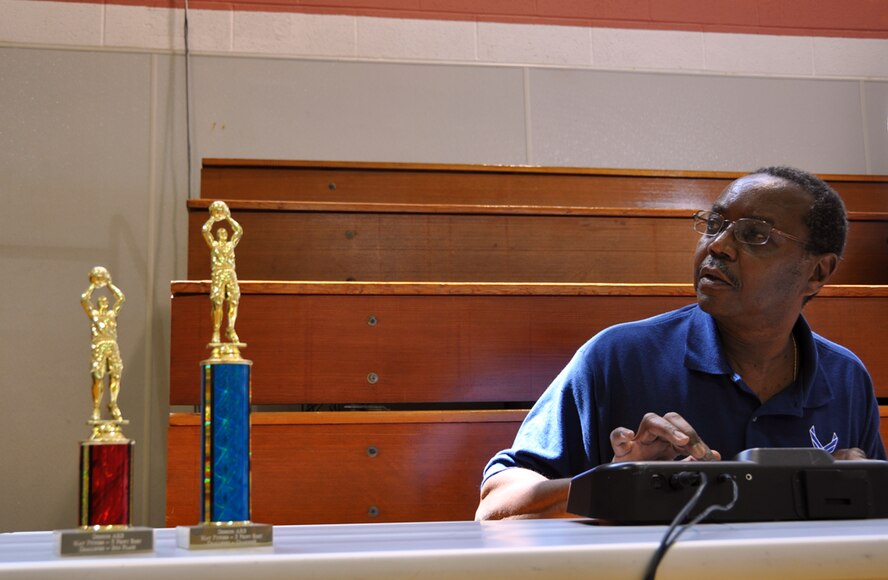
(773, 485)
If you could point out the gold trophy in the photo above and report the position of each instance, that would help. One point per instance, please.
(106, 458)
(223, 282)
(105, 355)
(225, 408)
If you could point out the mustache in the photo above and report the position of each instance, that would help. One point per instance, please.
(712, 264)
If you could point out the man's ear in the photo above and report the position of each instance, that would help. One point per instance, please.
(824, 266)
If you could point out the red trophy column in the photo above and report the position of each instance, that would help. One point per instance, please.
(106, 474)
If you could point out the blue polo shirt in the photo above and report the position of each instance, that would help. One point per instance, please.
(675, 362)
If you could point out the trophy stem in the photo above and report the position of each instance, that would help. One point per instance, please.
(225, 438)
(106, 481)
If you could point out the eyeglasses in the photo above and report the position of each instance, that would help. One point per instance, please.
(751, 231)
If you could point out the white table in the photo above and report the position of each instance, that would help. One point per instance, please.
(462, 550)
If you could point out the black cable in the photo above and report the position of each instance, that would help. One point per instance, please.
(674, 531)
(667, 540)
(187, 99)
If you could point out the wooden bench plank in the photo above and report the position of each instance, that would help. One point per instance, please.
(414, 242)
(453, 343)
(243, 179)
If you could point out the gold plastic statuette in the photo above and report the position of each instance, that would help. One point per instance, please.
(105, 355)
(223, 283)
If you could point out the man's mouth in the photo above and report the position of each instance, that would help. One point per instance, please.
(714, 276)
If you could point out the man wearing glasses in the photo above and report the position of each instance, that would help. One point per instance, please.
(739, 369)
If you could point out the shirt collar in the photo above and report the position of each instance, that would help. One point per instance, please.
(704, 353)
(816, 392)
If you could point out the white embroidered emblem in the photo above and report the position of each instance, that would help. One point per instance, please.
(815, 442)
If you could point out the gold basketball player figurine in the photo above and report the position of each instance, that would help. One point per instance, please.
(105, 354)
(223, 284)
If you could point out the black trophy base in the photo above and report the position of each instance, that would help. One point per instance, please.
(224, 535)
(104, 541)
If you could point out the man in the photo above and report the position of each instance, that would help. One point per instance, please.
(739, 369)
(104, 349)
(224, 278)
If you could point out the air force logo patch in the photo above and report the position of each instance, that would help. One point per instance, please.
(815, 442)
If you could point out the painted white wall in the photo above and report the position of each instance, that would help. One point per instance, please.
(93, 159)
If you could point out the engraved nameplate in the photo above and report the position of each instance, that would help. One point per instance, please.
(92, 542)
(223, 535)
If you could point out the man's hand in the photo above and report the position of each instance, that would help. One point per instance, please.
(660, 438)
(852, 453)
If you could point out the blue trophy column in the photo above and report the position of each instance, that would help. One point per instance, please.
(225, 437)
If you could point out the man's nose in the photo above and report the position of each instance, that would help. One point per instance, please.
(724, 242)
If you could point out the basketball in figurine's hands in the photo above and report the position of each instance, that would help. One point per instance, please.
(99, 276)
(219, 210)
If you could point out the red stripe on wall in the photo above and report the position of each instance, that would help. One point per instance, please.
(846, 18)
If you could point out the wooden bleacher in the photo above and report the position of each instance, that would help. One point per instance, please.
(381, 399)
